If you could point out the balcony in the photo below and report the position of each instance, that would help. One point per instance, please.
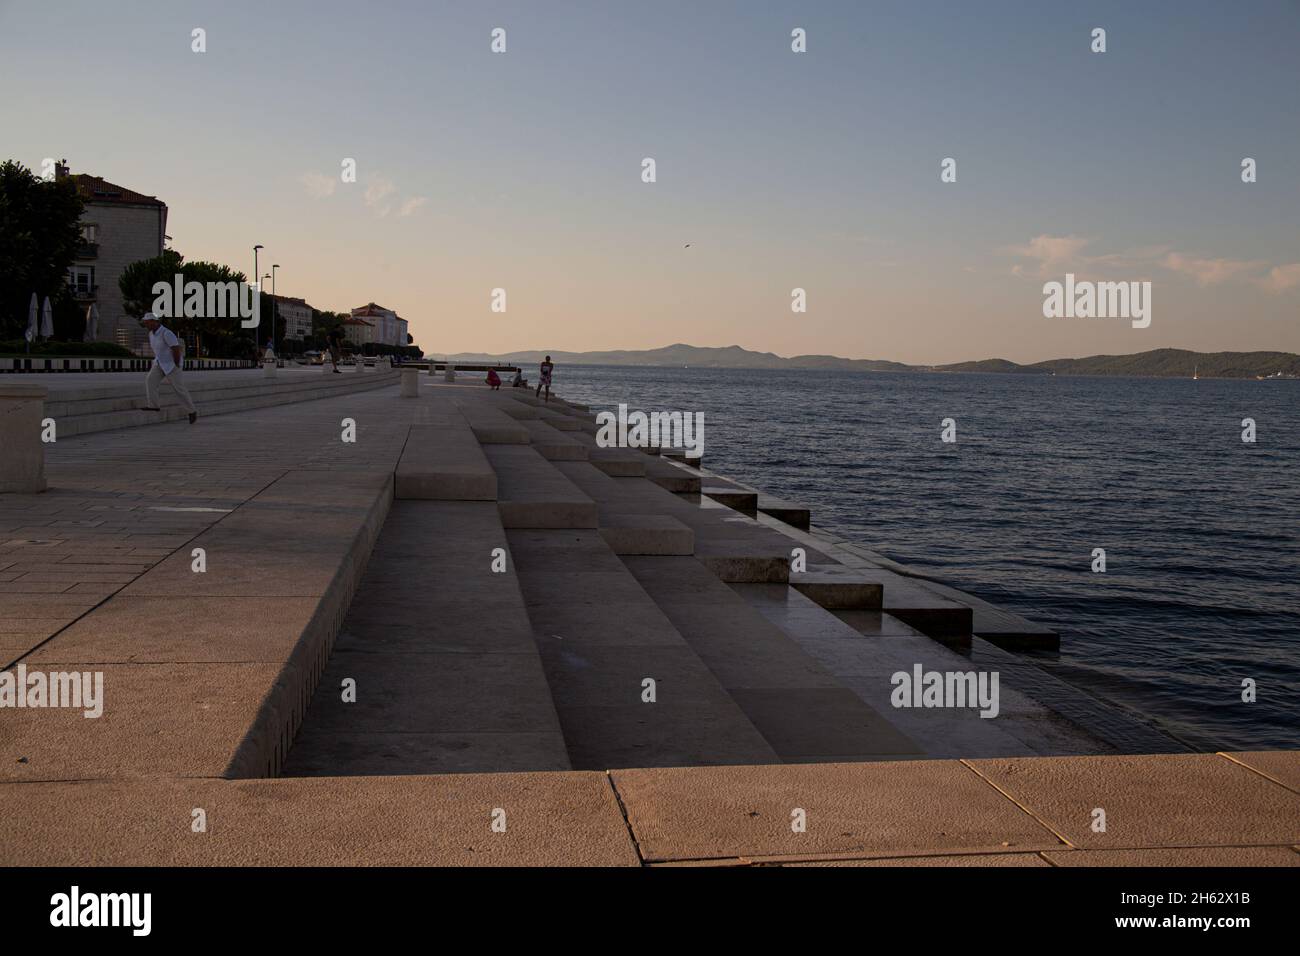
(88, 250)
(83, 293)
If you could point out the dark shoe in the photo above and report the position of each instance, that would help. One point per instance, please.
(337, 372)
(150, 408)
(193, 417)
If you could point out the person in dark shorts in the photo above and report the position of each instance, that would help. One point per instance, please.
(547, 368)
(335, 342)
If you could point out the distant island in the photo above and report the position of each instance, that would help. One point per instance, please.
(1157, 363)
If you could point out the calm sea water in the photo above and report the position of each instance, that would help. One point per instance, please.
(1201, 531)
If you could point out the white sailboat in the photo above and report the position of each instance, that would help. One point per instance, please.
(1195, 372)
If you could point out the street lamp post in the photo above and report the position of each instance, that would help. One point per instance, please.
(275, 306)
(256, 282)
(259, 292)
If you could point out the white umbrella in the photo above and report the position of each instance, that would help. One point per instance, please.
(47, 320)
(32, 321)
(92, 323)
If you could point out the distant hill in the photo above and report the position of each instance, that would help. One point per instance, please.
(1179, 363)
(1159, 363)
(676, 356)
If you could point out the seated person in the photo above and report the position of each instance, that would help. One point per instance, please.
(494, 379)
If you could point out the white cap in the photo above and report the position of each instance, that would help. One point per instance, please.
(149, 317)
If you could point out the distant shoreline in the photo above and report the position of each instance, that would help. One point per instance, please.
(1158, 363)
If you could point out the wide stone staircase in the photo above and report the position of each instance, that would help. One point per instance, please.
(536, 602)
(475, 586)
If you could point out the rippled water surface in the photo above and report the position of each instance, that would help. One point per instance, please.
(1201, 530)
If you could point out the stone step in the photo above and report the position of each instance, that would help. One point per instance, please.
(681, 455)
(209, 403)
(208, 675)
(601, 637)
(561, 421)
(865, 649)
(646, 534)
(1004, 628)
(96, 400)
(738, 499)
(531, 493)
(910, 600)
(491, 425)
(836, 587)
(444, 461)
(795, 515)
(554, 445)
(671, 476)
(615, 462)
(803, 711)
(448, 677)
(519, 411)
(734, 547)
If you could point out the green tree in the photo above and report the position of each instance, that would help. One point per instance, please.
(210, 335)
(39, 237)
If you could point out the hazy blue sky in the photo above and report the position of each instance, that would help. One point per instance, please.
(817, 170)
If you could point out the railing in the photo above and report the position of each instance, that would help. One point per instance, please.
(88, 250)
(83, 293)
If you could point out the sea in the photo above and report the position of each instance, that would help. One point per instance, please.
(1199, 601)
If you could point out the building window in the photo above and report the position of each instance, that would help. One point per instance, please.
(81, 279)
(89, 232)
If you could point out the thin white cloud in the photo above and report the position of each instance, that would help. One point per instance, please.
(377, 188)
(1211, 271)
(410, 205)
(1047, 255)
(317, 185)
(1282, 278)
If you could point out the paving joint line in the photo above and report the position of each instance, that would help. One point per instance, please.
(627, 823)
(31, 650)
(1255, 770)
(1041, 822)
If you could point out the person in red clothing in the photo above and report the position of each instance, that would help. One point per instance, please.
(494, 379)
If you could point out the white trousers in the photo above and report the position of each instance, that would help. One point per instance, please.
(175, 380)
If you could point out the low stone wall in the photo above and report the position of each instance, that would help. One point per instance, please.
(58, 363)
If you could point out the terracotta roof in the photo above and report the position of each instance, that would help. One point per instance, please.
(355, 321)
(97, 189)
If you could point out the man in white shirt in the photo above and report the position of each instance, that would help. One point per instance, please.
(166, 365)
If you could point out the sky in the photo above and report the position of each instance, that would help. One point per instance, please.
(817, 170)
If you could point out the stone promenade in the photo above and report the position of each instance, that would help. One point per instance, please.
(353, 627)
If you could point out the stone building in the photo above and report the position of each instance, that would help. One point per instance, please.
(294, 316)
(119, 226)
(390, 328)
(358, 331)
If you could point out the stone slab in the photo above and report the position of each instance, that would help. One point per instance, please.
(1152, 801)
(746, 502)
(440, 649)
(1201, 856)
(646, 534)
(1282, 766)
(596, 664)
(838, 588)
(713, 813)
(444, 462)
(553, 819)
(552, 444)
(532, 494)
(795, 515)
